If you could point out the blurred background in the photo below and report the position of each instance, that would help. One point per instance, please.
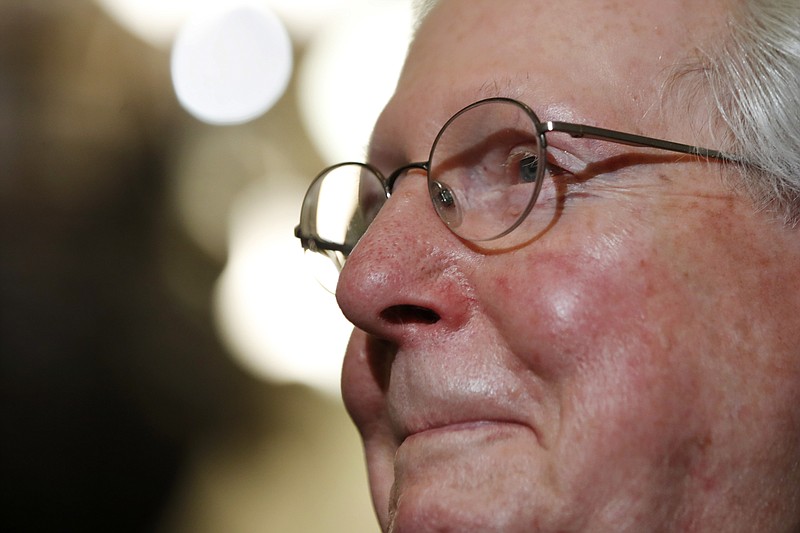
(168, 364)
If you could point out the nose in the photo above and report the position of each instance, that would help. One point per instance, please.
(408, 277)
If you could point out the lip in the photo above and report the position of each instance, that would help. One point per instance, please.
(416, 411)
(458, 414)
(483, 425)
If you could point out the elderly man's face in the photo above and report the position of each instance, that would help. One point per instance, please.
(637, 368)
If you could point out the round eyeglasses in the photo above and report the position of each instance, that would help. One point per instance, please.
(487, 177)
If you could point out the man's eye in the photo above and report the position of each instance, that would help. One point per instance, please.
(521, 166)
(529, 168)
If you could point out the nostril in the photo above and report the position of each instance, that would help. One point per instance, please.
(409, 314)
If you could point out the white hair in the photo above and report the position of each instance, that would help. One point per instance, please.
(752, 81)
(421, 8)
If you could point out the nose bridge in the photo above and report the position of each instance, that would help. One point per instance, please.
(407, 270)
(394, 176)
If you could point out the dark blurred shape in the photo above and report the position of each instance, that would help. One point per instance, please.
(105, 372)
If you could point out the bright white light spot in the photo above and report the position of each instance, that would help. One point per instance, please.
(230, 65)
(276, 320)
(348, 75)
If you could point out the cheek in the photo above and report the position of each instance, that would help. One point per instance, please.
(602, 316)
(648, 290)
(598, 325)
(660, 342)
(574, 308)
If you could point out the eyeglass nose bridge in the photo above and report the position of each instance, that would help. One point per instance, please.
(393, 177)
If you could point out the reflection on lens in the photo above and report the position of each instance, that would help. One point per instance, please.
(486, 171)
(445, 203)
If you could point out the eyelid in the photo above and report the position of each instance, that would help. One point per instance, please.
(566, 160)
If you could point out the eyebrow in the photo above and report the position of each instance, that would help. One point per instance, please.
(507, 86)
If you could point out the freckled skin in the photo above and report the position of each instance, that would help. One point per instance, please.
(637, 368)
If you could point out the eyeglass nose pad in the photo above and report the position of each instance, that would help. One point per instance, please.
(446, 203)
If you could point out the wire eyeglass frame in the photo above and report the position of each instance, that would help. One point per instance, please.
(311, 241)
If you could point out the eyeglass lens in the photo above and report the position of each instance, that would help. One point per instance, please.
(485, 171)
(339, 206)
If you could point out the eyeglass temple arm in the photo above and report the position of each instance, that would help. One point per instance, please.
(316, 244)
(591, 132)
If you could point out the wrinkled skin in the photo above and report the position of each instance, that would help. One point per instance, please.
(637, 368)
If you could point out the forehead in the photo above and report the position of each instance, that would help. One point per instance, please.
(601, 62)
(605, 37)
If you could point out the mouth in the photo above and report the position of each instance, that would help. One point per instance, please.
(426, 399)
(460, 415)
(485, 427)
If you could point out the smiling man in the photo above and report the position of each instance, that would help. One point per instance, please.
(578, 311)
